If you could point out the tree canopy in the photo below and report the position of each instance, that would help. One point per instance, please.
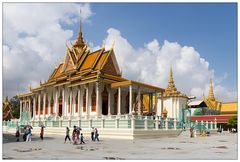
(232, 122)
(15, 102)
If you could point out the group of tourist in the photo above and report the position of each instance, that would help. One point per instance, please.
(77, 136)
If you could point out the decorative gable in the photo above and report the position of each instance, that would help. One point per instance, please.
(109, 67)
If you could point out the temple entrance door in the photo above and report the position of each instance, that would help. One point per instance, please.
(31, 106)
(105, 102)
(60, 106)
(115, 103)
(127, 104)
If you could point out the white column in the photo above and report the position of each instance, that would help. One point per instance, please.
(139, 101)
(34, 106)
(63, 102)
(109, 101)
(87, 105)
(166, 124)
(29, 107)
(44, 103)
(71, 111)
(175, 124)
(49, 104)
(173, 107)
(82, 91)
(56, 102)
(73, 102)
(25, 105)
(39, 101)
(161, 104)
(130, 99)
(66, 102)
(97, 99)
(20, 108)
(79, 104)
(119, 101)
(156, 109)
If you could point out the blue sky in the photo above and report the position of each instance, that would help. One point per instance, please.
(198, 39)
(209, 27)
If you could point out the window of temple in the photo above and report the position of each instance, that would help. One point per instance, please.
(105, 101)
(46, 106)
(94, 100)
(68, 104)
(127, 103)
(41, 105)
(115, 102)
(60, 105)
(51, 106)
(76, 103)
(84, 102)
(36, 106)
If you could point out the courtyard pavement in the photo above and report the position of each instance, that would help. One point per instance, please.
(217, 146)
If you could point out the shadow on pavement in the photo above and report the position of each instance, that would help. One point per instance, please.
(8, 138)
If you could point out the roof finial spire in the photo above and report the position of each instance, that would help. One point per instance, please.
(171, 85)
(79, 42)
(80, 20)
(210, 93)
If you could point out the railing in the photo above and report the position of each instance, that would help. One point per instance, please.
(116, 122)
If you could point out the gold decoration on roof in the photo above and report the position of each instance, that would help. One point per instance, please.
(211, 101)
(171, 90)
(80, 42)
(210, 93)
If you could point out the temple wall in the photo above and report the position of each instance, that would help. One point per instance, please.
(173, 105)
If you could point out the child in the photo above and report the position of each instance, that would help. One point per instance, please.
(82, 139)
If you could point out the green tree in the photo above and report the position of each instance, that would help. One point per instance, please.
(197, 112)
(232, 122)
(15, 102)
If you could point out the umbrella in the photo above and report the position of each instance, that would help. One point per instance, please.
(29, 126)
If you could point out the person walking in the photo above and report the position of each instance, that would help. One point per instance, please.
(17, 133)
(92, 134)
(96, 134)
(74, 135)
(42, 132)
(78, 129)
(82, 139)
(67, 135)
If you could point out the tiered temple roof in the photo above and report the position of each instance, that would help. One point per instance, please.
(82, 66)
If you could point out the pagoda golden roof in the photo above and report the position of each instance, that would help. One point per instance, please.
(211, 101)
(229, 108)
(171, 90)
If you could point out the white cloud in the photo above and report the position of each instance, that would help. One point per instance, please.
(34, 42)
(151, 64)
